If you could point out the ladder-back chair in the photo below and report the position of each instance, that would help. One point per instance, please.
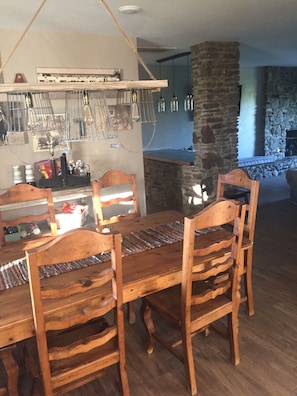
(238, 178)
(84, 335)
(120, 196)
(116, 191)
(209, 289)
(29, 197)
(33, 196)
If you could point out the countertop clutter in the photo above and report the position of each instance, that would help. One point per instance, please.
(65, 175)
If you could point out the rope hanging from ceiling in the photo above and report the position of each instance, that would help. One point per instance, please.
(109, 11)
(129, 40)
(22, 36)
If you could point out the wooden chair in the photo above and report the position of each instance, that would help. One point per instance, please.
(209, 289)
(118, 199)
(27, 193)
(116, 181)
(77, 344)
(14, 195)
(238, 178)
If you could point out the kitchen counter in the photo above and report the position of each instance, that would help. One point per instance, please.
(180, 157)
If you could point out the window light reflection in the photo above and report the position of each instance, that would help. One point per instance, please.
(200, 196)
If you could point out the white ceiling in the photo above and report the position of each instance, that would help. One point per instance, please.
(265, 29)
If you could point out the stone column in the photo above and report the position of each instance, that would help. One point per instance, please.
(215, 75)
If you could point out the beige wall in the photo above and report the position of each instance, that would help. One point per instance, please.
(43, 49)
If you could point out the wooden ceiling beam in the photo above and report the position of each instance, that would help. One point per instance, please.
(64, 87)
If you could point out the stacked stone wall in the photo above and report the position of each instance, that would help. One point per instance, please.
(275, 168)
(280, 108)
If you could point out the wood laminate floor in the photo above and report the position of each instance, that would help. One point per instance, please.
(268, 340)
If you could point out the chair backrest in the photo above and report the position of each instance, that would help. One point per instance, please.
(82, 304)
(240, 178)
(25, 193)
(120, 194)
(219, 276)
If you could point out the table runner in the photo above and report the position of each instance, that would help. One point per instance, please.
(15, 273)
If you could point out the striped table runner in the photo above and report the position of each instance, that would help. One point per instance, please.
(15, 273)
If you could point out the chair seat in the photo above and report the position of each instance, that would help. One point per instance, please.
(168, 302)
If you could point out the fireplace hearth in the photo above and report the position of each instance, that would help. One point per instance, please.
(291, 143)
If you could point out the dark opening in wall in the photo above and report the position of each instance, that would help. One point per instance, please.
(291, 143)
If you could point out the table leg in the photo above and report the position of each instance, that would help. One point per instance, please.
(11, 367)
(131, 312)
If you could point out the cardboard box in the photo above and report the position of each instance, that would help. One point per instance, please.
(69, 221)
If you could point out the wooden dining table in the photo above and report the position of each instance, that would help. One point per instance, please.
(143, 273)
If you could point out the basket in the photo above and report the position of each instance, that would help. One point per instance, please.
(69, 221)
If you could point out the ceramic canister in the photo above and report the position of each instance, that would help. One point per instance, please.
(17, 175)
(29, 173)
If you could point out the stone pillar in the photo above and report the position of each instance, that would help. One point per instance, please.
(215, 75)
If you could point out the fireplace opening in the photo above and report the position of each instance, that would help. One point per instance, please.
(291, 143)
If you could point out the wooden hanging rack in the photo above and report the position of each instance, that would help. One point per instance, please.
(64, 87)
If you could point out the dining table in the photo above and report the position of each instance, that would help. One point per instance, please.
(151, 259)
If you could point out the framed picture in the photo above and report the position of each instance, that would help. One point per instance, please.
(46, 141)
(51, 140)
(121, 117)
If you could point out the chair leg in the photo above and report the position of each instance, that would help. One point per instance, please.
(131, 312)
(11, 367)
(146, 315)
(232, 323)
(249, 284)
(124, 385)
(189, 362)
(31, 362)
